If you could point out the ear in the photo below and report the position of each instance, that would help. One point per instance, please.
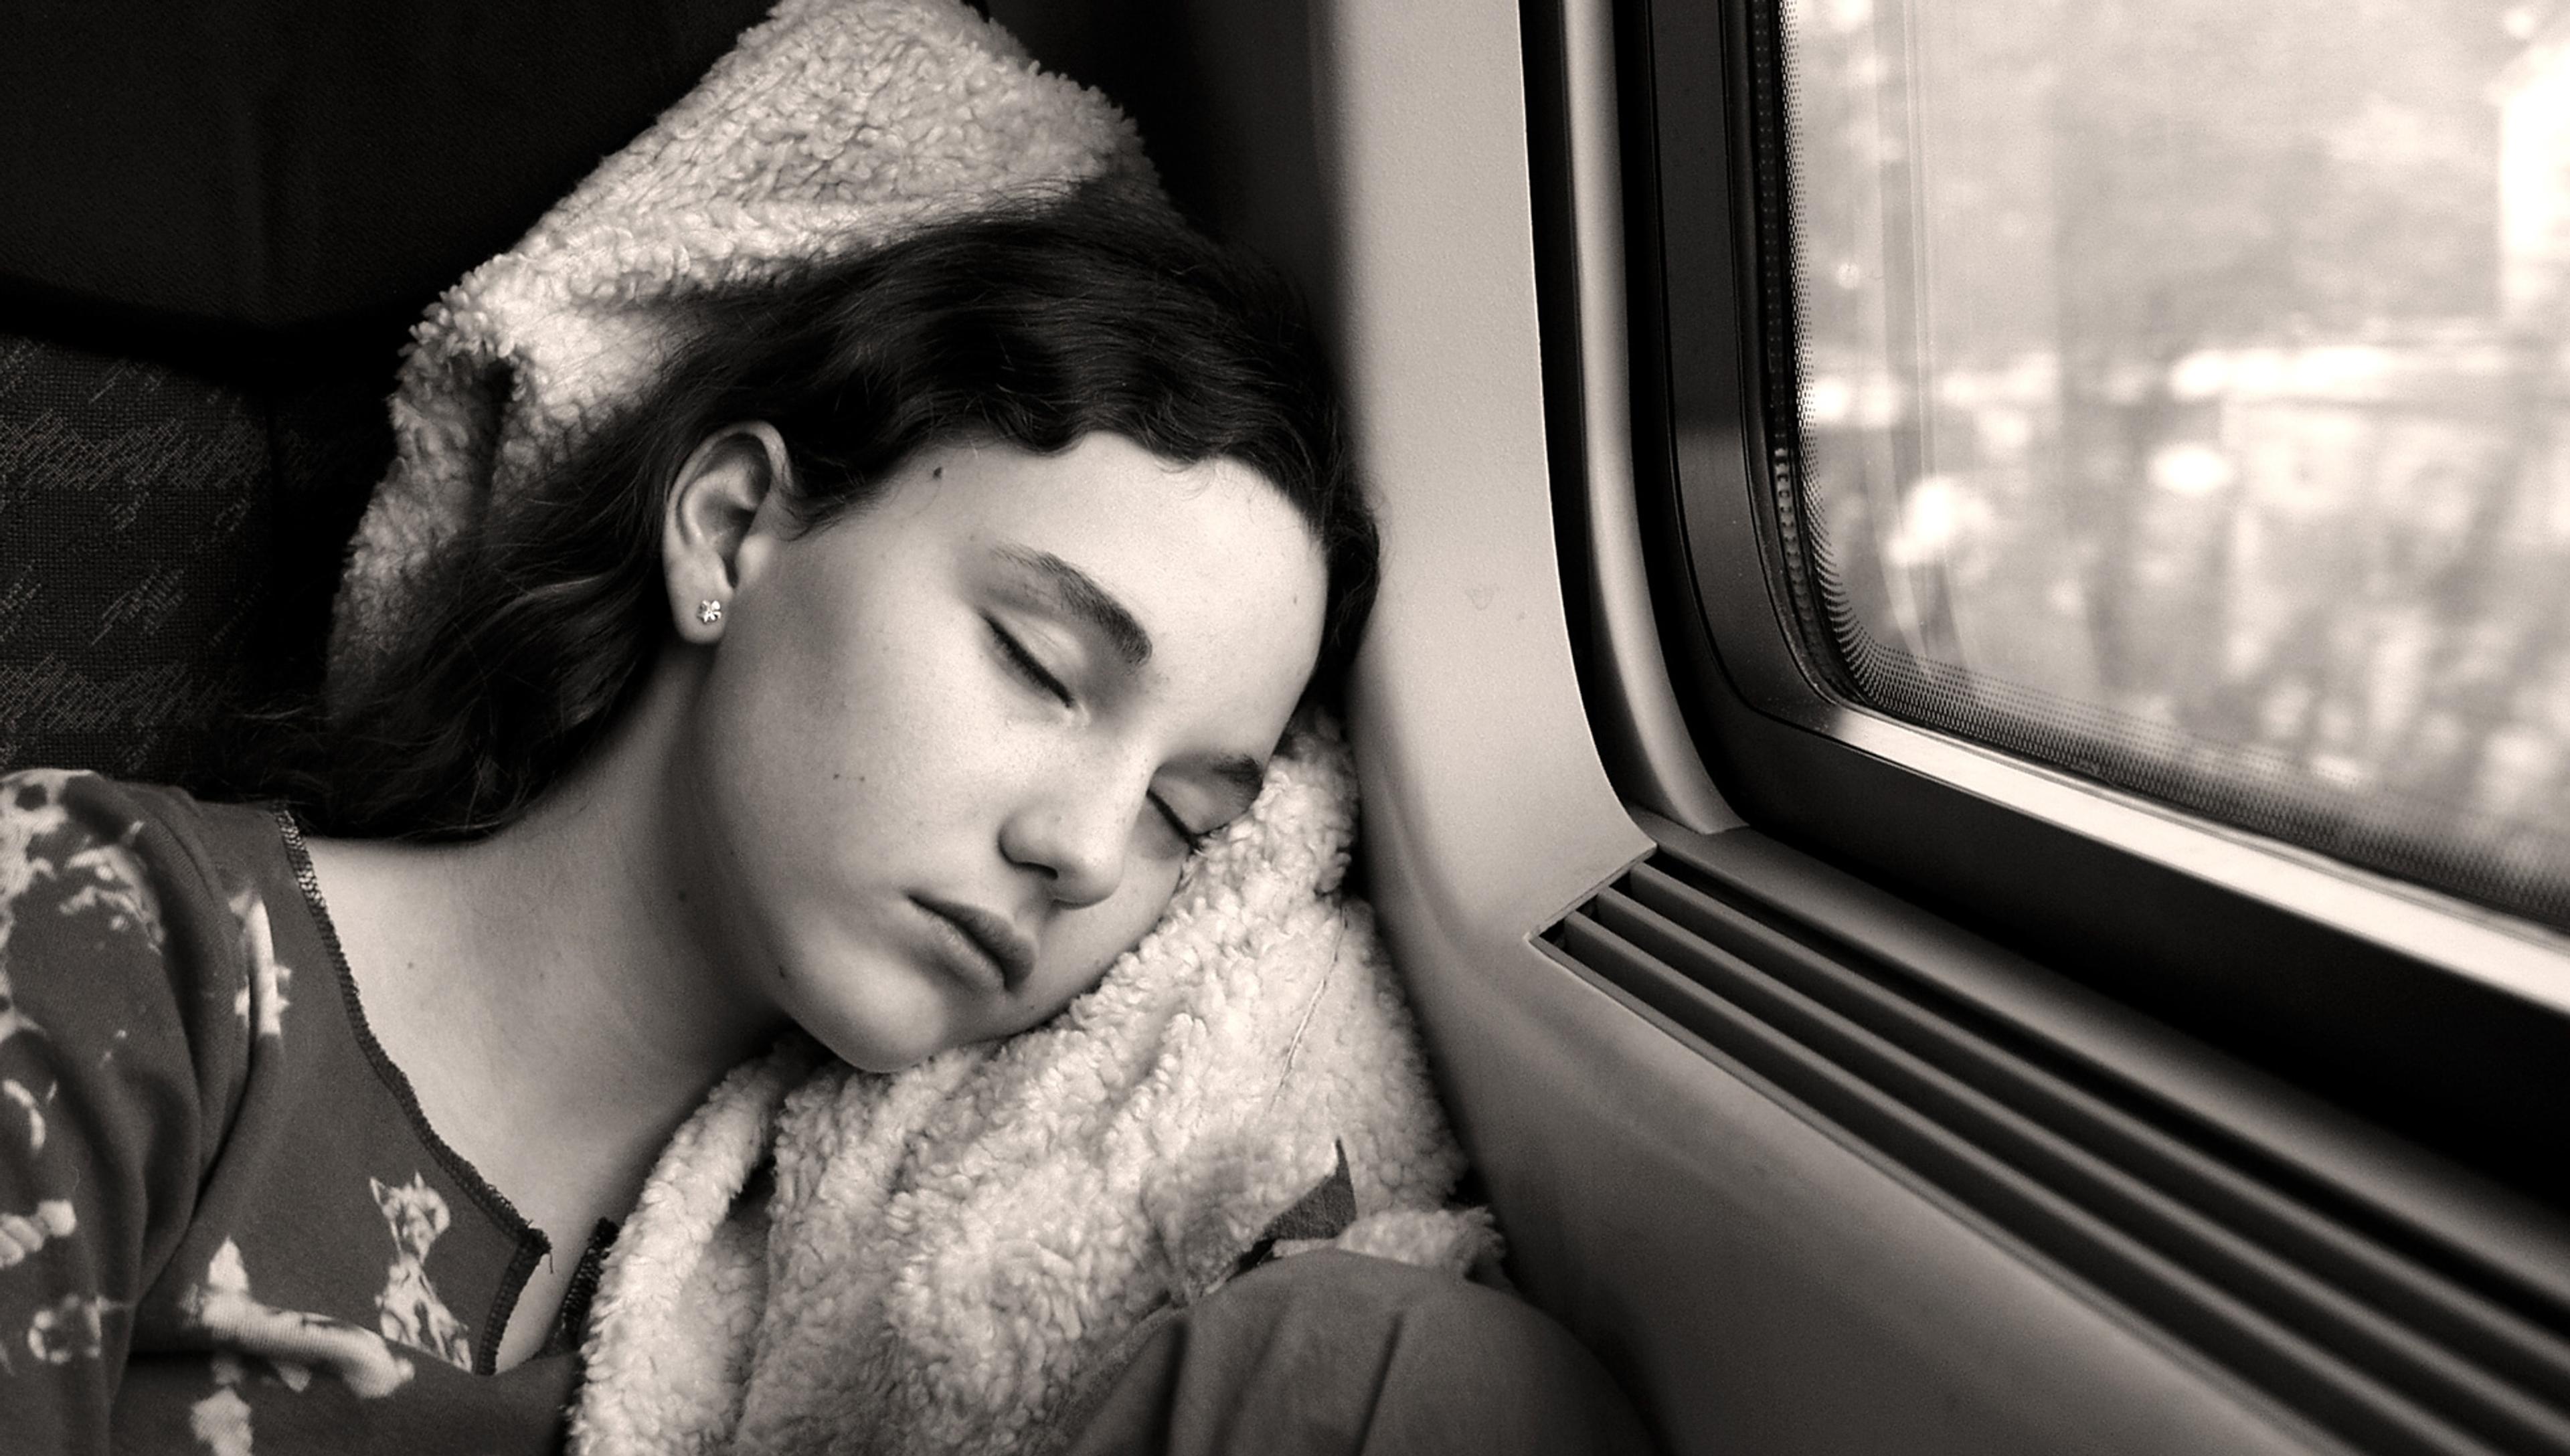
(721, 521)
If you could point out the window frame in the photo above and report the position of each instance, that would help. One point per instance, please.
(2435, 1018)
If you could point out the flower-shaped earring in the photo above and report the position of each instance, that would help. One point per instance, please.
(709, 612)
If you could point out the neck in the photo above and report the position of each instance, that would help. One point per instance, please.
(600, 983)
(553, 990)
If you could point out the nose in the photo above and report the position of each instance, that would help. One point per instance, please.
(1076, 838)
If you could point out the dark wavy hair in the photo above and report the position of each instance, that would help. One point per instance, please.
(1033, 324)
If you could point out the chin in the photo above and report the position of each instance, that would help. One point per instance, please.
(887, 1044)
(877, 1048)
(894, 1029)
(884, 1061)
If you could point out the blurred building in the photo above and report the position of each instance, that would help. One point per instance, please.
(2533, 97)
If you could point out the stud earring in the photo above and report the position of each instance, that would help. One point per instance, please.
(709, 612)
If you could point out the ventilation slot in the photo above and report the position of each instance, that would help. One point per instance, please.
(2380, 1335)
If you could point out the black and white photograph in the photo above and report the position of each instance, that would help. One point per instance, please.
(1285, 728)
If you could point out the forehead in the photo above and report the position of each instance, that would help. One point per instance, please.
(1210, 558)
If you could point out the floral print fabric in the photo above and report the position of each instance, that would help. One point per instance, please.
(223, 1227)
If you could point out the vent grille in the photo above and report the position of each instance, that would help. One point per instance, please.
(2375, 1330)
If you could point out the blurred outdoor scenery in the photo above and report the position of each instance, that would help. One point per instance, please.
(2184, 395)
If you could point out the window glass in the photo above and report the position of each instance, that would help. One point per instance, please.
(2182, 401)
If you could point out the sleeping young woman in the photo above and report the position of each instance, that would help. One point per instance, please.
(875, 678)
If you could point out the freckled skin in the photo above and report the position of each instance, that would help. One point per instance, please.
(860, 738)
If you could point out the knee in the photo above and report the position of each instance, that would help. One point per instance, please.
(1457, 1366)
(1335, 1351)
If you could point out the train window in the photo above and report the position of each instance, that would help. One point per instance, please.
(2180, 402)
(2101, 474)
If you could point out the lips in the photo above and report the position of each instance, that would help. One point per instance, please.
(1009, 953)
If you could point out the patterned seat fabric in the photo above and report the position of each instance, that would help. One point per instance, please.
(217, 227)
(169, 544)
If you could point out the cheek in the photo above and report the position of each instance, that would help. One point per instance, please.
(1083, 942)
(846, 735)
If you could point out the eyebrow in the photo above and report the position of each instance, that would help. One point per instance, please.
(1081, 595)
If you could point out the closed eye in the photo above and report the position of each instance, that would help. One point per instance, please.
(1194, 840)
(1036, 675)
(1026, 667)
